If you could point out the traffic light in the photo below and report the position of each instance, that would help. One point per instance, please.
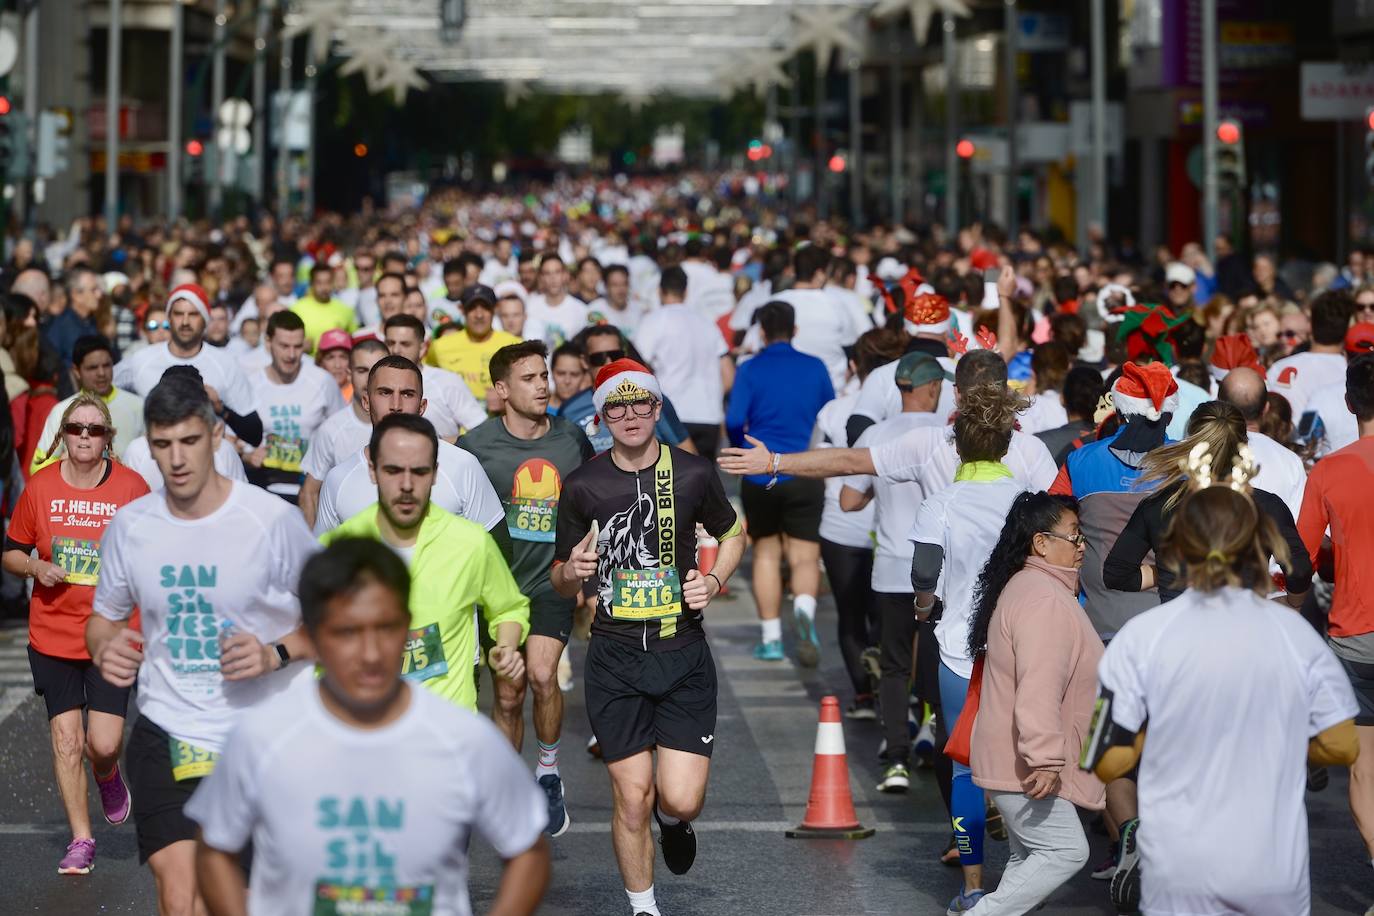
(838, 163)
(965, 149)
(1369, 144)
(53, 144)
(195, 161)
(1230, 155)
(14, 143)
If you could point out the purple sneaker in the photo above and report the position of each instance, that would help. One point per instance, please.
(80, 858)
(115, 800)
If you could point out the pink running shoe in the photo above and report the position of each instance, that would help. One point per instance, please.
(80, 858)
(115, 800)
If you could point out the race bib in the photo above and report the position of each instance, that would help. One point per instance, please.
(532, 519)
(189, 761)
(424, 657)
(645, 594)
(351, 900)
(79, 559)
(284, 453)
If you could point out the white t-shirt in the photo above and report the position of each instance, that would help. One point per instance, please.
(1302, 375)
(852, 529)
(292, 413)
(1281, 472)
(241, 564)
(927, 455)
(126, 410)
(761, 293)
(965, 519)
(1046, 411)
(1342, 428)
(460, 486)
(896, 505)
(141, 372)
(559, 323)
(880, 399)
(139, 457)
(823, 329)
(685, 349)
(708, 290)
(327, 804)
(626, 320)
(340, 435)
(450, 405)
(859, 314)
(1233, 687)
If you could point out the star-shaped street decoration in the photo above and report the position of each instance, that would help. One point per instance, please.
(370, 58)
(636, 99)
(765, 72)
(825, 29)
(516, 92)
(920, 12)
(321, 20)
(400, 76)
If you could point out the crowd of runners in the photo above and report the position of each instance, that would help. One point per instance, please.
(1092, 524)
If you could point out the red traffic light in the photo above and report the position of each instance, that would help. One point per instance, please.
(1369, 119)
(965, 149)
(194, 147)
(360, 150)
(4, 104)
(1228, 132)
(837, 163)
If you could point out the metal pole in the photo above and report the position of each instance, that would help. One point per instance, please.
(951, 127)
(794, 97)
(1209, 127)
(175, 78)
(216, 154)
(311, 79)
(284, 149)
(1099, 116)
(112, 115)
(260, 97)
(1013, 161)
(1341, 212)
(822, 182)
(856, 148)
(30, 106)
(895, 128)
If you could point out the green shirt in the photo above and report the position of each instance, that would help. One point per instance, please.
(323, 316)
(455, 566)
(528, 476)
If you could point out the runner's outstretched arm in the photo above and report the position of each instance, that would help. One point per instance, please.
(825, 462)
(523, 882)
(223, 885)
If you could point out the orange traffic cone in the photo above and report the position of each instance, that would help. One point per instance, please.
(830, 810)
(707, 550)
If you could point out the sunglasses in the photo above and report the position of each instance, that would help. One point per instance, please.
(617, 411)
(157, 325)
(1291, 335)
(604, 357)
(1177, 285)
(95, 430)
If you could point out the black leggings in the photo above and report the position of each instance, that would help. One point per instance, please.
(894, 688)
(850, 570)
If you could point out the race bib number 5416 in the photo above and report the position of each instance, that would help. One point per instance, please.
(646, 594)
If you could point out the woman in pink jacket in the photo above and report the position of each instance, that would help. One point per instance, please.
(1039, 683)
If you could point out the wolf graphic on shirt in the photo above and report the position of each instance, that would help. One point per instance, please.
(626, 542)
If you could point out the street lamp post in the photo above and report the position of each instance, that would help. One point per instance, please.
(112, 63)
(951, 126)
(175, 76)
(1099, 121)
(1209, 127)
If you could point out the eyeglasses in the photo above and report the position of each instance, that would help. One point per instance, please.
(95, 430)
(640, 408)
(604, 357)
(1077, 540)
(1291, 335)
(157, 325)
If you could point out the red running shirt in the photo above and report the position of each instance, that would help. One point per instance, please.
(66, 524)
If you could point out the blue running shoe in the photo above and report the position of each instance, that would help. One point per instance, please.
(770, 651)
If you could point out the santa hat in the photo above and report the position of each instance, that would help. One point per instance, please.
(926, 313)
(1234, 351)
(193, 293)
(1149, 391)
(622, 382)
(982, 259)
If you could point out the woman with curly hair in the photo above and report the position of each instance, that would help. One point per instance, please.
(1039, 675)
(954, 532)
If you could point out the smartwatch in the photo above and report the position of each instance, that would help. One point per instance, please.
(282, 654)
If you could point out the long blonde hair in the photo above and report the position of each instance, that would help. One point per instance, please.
(1216, 423)
(84, 399)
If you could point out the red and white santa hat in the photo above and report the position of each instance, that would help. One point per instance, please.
(622, 382)
(193, 293)
(1148, 391)
(926, 312)
(1234, 351)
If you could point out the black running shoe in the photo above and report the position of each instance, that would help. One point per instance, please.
(1125, 889)
(679, 844)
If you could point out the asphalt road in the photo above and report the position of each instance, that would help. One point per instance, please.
(759, 786)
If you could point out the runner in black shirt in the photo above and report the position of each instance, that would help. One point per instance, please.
(627, 521)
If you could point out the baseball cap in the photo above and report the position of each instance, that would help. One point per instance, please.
(475, 294)
(1178, 272)
(1360, 338)
(918, 368)
(334, 339)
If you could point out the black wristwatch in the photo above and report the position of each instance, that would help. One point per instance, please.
(282, 654)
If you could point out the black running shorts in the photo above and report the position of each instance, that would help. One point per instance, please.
(158, 798)
(551, 615)
(793, 507)
(1362, 682)
(73, 683)
(638, 700)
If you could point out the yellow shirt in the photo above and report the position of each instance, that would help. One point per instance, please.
(323, 316)
(457, 353)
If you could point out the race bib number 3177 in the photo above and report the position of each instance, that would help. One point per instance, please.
(78, 558)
